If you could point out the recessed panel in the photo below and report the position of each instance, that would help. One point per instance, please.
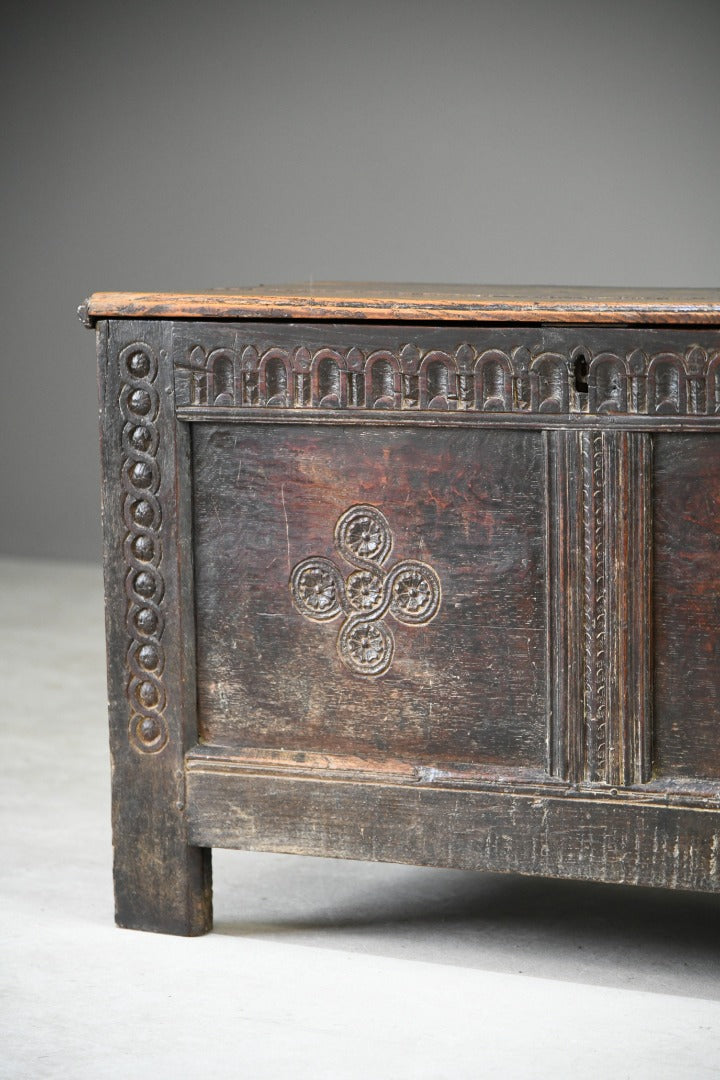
(372, 591)
(687, 605)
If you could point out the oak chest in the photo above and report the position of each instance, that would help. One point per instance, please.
(421, 574)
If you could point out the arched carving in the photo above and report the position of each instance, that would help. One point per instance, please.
(275, 379)
(437, 381)
(221, 378)
(382, 381)
(493, 382)
(549, 375)
(608, 384)
(509, 379)
(667, 385)
(328, 380)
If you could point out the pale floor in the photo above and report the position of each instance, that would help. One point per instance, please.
(316, 968)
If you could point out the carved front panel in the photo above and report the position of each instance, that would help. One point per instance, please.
(372, 592)
(515, 604)
(445, 594)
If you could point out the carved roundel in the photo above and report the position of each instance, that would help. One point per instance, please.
(366, 647)
(317, 589)
(363, 536)
(149, 734)
(410, 591)
(415, 593)
(364, 589)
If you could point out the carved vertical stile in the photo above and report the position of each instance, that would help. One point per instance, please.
(616, 469)
(599, 606)
(161, 883)
(594, 606)
(565, 605)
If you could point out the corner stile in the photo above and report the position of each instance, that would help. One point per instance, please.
(161, 883)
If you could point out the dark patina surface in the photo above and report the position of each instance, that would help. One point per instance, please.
(431, 576)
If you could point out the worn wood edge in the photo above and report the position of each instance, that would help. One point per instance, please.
(666, 791)
(84, 315)
(551, 836)
(381, 769)
(451, 304)
(218, 414)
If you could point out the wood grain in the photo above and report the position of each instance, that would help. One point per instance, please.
(592, 840)
(468, 503)
(418, 303)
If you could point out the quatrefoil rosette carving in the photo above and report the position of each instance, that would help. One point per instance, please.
(409, 591)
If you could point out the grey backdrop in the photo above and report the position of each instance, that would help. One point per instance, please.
(186, 145)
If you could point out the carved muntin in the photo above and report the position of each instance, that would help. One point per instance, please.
(577, 567)
(600, 612)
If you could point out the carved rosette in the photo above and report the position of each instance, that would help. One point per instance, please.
(144, 586)
(409, 592)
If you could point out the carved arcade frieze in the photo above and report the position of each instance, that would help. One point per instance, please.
(514, 380)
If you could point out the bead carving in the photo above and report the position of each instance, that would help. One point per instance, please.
(144, 586)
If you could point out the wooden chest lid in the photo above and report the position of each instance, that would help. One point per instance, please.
(418, 303)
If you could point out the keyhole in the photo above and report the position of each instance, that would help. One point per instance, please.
(581, 373)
